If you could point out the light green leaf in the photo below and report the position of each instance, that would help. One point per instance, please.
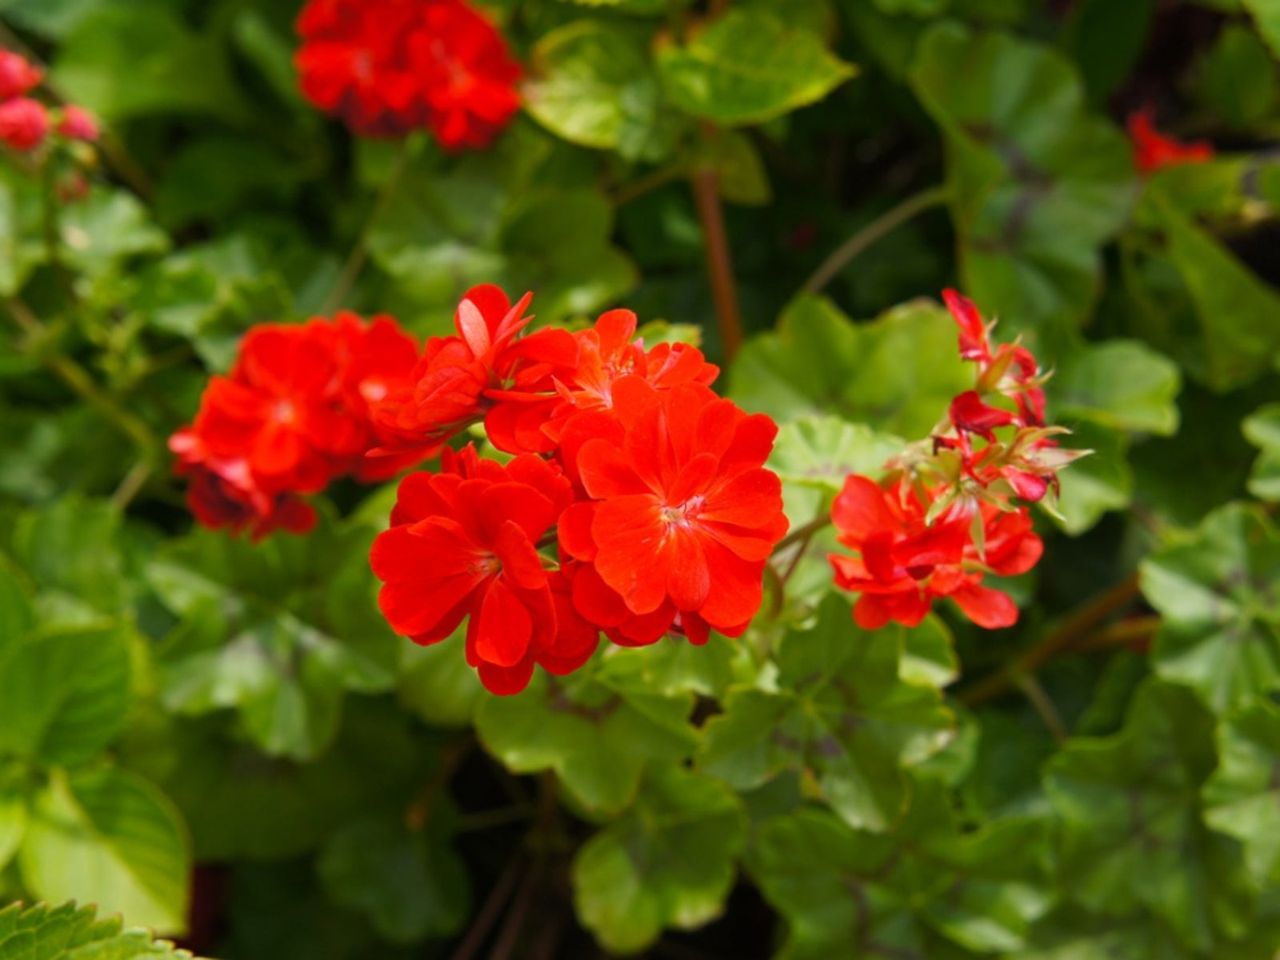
(108, 837)
(72, 550)
(1262, 429)
(1219, 594)
(592, 83)
(819, 452)
(1097, 483)
(1121, 385)
(64, 695)
(749, 66)
(69, 932)
(438, 685)
(1266, 13)
(1242, 798)
(669, 862)
(104, 229)
(1039, 185)
(897, 373)
(597, 729)
(13, 814)
(409, 884)
(842, 717)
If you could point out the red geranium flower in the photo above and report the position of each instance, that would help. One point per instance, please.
(391, 66)
(682, 515)
(464, 542)
(904, 563)
(1153, 150)
(293, 415)
(24, 123)
(17, 75)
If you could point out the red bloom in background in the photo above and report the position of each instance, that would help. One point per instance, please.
(464, 543)
(457, 377)
(390, 66)
(1153, 150)
(17, 75)
(682, 515)
(24, 123)
(293, 415)
(904, 564)
(77, 123)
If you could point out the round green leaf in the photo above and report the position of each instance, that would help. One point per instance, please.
(1242, 798)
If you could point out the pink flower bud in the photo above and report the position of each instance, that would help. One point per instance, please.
(77, 123)
(24, 123)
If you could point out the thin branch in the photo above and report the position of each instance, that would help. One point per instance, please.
(1064, 636)
(360, 251)
(131, 485)
(1039, 699)
(706, 195)
(489, 913)
(872, 233)
(802, 533)
(648, 183)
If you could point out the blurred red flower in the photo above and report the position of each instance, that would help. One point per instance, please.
(1153, 150)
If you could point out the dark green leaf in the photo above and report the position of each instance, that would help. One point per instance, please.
(1242, 798)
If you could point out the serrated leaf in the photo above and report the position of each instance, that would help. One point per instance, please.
(410, 884)
(110, 838)
(1219, 594)
(68, 932)
(64, 695)
(896, 374)
(1038, 184)
(1262, 429)
(749, 66)
(669, 862)
(592, 84)
(1128, 806)
(1242, 798)
(821, 451)
(598, 730)
(277, 631)
(842, 717)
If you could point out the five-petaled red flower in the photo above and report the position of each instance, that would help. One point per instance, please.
(464, 543)
(681, 515)
(391, 66)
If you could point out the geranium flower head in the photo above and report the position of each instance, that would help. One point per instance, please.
(391, 66)
(1153, 150)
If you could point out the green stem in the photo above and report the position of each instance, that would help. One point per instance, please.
(360, 251)
(872, 233)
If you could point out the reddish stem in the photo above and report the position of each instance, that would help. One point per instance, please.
(706, 195)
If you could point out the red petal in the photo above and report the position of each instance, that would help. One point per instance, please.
(986, 607)
(501, 629)
(859, 510)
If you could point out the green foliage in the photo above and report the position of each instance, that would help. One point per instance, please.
(71, 933)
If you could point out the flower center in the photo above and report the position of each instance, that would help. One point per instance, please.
(683, 514)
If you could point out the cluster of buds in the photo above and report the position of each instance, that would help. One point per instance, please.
(952, 507)
(26, 124)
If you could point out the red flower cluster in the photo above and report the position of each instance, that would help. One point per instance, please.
(294, 414)
(947, 514)
(653, 488)
(387, 67)
(1153, 150)
(25, 122)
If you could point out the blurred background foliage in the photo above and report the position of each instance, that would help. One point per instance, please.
(225, 742)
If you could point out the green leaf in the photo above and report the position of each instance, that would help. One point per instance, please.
(21, 224)
(278, 631)
(109, 837)
(409, 884)
(897, 373)
(1266, 13)
(13, 813)
(597, 729)
(669, 862)
(1106, 39)
(69, 932)
(1096, 484)
(1238, 77)
(438, 685)
(72, 550)
(1219, 594)
(840, 888)
(106, 228)
(1038, 184)
(1242, 798)
(842, 717)
(16, 614)
(740, 170)
(164, 68)
(1262, 429)
(592, 84)
(747, 67)
(1237, 311)
(1128, 806)
(819, 452)
(63, 695)
(1121, 385)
